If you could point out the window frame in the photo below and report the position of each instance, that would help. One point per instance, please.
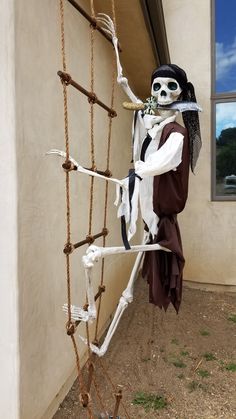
(215, 99)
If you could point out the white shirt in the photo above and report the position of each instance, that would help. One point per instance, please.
(157, 161)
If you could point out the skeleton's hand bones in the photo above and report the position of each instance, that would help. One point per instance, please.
(108, 26)
(81, 169)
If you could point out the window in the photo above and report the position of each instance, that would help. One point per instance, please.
(224, 99)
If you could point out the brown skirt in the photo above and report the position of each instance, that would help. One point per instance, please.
(164, 270)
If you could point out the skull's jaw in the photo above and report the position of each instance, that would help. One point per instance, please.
(164, 101)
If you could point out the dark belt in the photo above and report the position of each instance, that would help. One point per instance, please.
(132, 175)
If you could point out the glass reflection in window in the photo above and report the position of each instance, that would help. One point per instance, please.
(226, 149)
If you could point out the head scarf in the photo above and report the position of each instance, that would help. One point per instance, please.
(190, 118)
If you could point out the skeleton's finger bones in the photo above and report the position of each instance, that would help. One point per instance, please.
(77, 313)
(63, 154)
(106, 20)
(107, 25)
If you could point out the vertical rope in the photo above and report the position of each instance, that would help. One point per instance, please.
(107, 168)
(68, 211)
(92, 148)
(99, 396)
(105, 372)
(66, 135)
(80, 379)
(113, 13)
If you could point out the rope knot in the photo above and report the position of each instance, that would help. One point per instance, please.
(70, 328)
(68, 166)
(108, 173)
(65, 77)
(90, 238)
(86, 306)
(102, 288)
(68, 249)
(92, 98)
(93, 23)
(84, 399)
(105, 231)
(112, 113)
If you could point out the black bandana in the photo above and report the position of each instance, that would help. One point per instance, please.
(172, 71)
(190, 118)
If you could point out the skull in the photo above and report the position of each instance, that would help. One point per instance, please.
(166, 90)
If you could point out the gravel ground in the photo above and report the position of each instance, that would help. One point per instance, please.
(185, 362)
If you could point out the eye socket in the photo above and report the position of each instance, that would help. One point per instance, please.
(156, 87)
(172, 85)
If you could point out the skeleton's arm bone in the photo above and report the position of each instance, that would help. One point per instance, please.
(166, 158)
(83, 170)
(110, 29)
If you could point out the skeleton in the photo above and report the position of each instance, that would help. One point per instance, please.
(165, 92)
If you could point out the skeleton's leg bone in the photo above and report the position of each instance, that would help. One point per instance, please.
(129, 291)
(77, 313)
(83, 170)
(113, 326)
(126, 298)
(94, 252)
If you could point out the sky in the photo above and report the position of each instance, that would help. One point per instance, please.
(225, 27)
(225, 116)
(225, 19)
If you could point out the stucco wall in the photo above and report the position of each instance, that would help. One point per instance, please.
(9, 348)
(47, 359)
(208, 228)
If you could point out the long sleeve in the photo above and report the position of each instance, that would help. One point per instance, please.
(166, 158)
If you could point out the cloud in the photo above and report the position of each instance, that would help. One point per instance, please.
(225, 116)
(225, 59)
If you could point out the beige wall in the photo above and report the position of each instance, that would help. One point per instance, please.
(208, 228)
(37, 236)
(9, 347)
(46, 354)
